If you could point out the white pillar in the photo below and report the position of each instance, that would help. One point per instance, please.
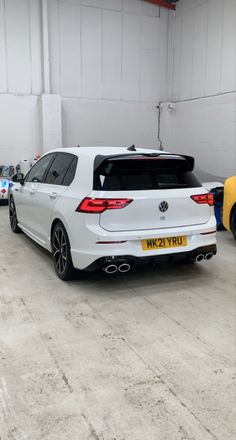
(50, 105)
(51, 122)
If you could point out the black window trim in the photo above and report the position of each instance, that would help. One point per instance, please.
(47, 171)
(55, 154)
(188, 160)
(74, 158)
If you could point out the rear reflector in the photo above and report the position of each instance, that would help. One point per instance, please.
(111, 242)
(98, 206)
(203, 199)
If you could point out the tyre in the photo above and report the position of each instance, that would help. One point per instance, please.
(233, 222)
(61, 253)
(220, 227)
(13, 217)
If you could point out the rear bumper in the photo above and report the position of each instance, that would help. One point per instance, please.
(85, 251)
(135, 261)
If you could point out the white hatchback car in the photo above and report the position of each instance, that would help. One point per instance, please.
(111, 208)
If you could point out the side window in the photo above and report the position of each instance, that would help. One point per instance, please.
(58, 169)
(37, 173)
(70, 174)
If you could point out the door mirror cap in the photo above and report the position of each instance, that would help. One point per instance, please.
(18, 178)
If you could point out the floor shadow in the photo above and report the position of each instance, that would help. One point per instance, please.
(145, 277)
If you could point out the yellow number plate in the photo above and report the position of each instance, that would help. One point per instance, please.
(163, 243)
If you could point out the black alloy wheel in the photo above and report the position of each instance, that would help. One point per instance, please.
(13, 217)
(233, 222)
(61, 253)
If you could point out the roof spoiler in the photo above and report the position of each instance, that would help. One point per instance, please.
(189, 160)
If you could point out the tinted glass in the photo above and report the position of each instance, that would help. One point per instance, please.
(143, 174)
(37, 173)
(70, 174)
(58, 169)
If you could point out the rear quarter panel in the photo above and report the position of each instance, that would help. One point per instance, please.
(229, 200)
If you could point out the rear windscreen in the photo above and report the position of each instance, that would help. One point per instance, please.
(140, 174)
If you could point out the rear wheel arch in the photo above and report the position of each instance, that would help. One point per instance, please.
(55, 221)
(60, 248)
(59, 219)
(53, 224)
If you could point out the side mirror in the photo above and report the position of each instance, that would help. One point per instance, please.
(18, 178)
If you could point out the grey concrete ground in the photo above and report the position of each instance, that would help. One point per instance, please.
(145, 356)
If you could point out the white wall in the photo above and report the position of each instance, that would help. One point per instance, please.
(202, 64)
(108, 61)
(117, 123)
(20, 47)
(19, 128)
(206, 129)
(202, 49)
(108, 49)
(20, 79)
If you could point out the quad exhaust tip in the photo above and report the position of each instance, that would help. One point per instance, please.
(199, 257)
(208, 256)
(110, 269)
(123, 268)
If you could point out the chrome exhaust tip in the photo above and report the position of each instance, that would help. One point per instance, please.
(209, 256)
(110, 269)
(123, 268)
(199, 258)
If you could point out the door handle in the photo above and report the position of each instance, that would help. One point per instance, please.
(53, 195)
(33, 191)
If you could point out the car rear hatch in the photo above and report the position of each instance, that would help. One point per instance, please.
(158, 190)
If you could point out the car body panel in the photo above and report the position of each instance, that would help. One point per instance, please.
(229, 200)
(144, 212)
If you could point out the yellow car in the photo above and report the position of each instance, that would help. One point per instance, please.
(229, 207)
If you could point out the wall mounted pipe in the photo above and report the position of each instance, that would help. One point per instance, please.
(45, 48)
(159, 108)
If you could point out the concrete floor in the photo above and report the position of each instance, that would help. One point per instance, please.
(145, 356)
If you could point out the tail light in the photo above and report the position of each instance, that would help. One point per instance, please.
(3, 191)
(203, 199)
(98, 206)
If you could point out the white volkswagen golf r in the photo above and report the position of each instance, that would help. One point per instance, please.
(112, 208)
